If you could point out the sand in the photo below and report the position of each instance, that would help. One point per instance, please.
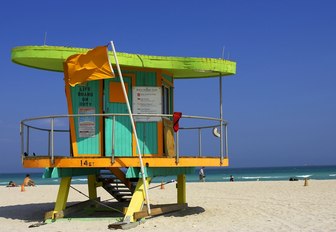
(237, 206)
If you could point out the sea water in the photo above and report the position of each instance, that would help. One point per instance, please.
(212, 175)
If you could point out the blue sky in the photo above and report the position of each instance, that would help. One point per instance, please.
(281, 105)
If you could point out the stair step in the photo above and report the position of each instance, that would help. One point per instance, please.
(115, 186)
(117, 191)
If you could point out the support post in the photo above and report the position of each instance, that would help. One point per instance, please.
(137, 200)
(181, 189)
(92, 187)
(62, 195)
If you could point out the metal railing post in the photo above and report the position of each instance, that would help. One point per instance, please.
(52, 140)
(226, 142)
(113, 139)
(22, 140)
(27, 145)
(199, 142)
(49, 134)
(177, 148)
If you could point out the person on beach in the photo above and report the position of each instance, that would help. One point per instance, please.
(11, 184)
(201, 174)
(28, 181)
(231, 178)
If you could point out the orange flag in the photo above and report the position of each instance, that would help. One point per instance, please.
(93, 65)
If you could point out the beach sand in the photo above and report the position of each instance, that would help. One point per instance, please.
(236, 206)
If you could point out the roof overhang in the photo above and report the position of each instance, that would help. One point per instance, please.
(52, 57)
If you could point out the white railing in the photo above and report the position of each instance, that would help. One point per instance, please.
(51, 128)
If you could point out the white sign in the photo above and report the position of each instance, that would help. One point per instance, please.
(87, 125)
(147, 100)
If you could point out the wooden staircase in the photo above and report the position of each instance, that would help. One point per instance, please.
(114, 182)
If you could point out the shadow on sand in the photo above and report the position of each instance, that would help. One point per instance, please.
(27, 212)
(186, 212)
(35, 212)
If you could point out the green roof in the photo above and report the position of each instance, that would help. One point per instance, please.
(52, 57)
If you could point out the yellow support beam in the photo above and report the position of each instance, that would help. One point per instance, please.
(137, 200)
(181, 189)
(62, 195)
(92, 187)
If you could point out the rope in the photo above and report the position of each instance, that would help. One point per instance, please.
(98, 202)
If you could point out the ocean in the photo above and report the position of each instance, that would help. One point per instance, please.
(212, 175)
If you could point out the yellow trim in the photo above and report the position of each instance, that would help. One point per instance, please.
(71, 120)
(105, 162)
(101, 121)
(92, 188)
(137, 200)
(181, 189)
(62, 195)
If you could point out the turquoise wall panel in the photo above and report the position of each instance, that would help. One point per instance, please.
(147, 131)
(122, 127)
(85, 98)
(147, 135)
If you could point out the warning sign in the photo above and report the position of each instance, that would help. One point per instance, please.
(147, 100)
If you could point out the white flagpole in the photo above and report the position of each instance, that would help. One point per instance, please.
(134, 129)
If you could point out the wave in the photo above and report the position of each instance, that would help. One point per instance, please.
(260, 177)
(303, 176)
(332, 174)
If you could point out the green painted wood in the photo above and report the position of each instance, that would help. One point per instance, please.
(167, 77)
(145, 79)
(86, 145)
(154, 172)
(123, 127)
(52, 58)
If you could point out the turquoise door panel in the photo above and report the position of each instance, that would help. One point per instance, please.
(122, 136)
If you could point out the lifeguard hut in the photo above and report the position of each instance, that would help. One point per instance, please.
(102, 142)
